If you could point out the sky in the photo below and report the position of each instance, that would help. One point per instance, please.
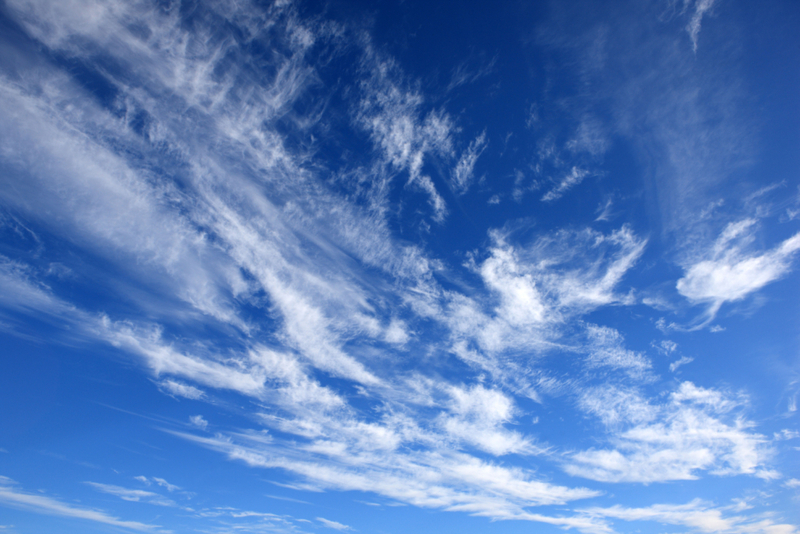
(400, 266)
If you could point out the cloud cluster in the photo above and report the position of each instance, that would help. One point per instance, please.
(251, 265)
(697, 429)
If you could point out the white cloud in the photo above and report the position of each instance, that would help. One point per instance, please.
(666, 347)
(731, 273)
(697, 515)
(569, 181)
(692, 432)
(604, 211)
(682, 361)
(181, 390)
(606, 349)
(786, 434)
(431, 479)
(334, 524)
(133, 495)
(615, 406)
(701, 7)
(254, 226)
(476, 416)
(463, 173)
(539, 287)
(164, 484)
(405, 134)
(37, 503)
(590, 137)
(198, 421)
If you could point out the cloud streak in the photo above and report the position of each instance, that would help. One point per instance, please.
(11, 496)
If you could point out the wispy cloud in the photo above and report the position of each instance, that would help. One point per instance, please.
(697, 515)
(701, 7)
(463, 173)
(731, 272)
(607, 350)
(37, 503)
(334, 524)
(180, 389)
(693, 431)
(444, 480)
(402, 130)
(569, 181)
(198, 421)
(677, 363)
(133, 495)
(250, 264)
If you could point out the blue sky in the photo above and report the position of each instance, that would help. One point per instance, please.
(306, 267)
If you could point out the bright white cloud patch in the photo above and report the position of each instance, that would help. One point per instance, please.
(731, 272)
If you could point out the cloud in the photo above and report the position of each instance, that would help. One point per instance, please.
(37, 503)
(666, 347)
(470, 71)
(682, 361)
(463, 173)
(701, 7)
(590, 137)
(539, 286)
(333, 524)
(433, 479)
(615, 406)
(574, 178)
(405, 134)
(181, 390)
(730, 272)
(133, 495)
(163, 483)
(198, 421)
(247, 262)
(697, 515)
(695, 430)
(477, 415)
(606, 349)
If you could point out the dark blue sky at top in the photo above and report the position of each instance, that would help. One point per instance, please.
(399, 266)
